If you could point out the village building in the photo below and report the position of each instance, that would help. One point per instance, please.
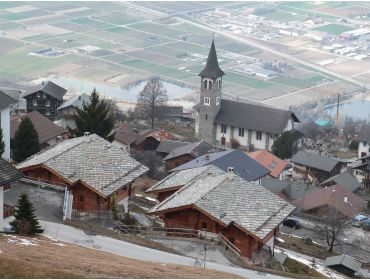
(287, 190)
(364, 142)
(243, 165)
(6, 103)
(176, 180)
(274, 164)
(362, 171)
(49, 133)
(221, 122)
(67, 111)
(167, 146)
(307, 133)
(186, 153)
(8, 174)
(45, 98)
(321, 201)
(345, 179)
(124, 136)
(149, 140)
(173, 115)
(317, 167)
(240, 212)
(93, 169)
(344, 264)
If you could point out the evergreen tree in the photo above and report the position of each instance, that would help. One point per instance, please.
(26, 141)
(25, 221)
(284, 146)
(2, 144)
(94, 117)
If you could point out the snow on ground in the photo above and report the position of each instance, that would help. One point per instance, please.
(142, 219)
(279, 239)
(16, 240)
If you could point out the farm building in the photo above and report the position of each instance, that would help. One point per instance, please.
(243, 213)
(92, 169)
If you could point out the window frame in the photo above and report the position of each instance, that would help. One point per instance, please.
(223, 128)
(208, 99)
(259, 135)
(241, 132)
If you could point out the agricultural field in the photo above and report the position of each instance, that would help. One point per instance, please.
(334, 29)
(120, 43)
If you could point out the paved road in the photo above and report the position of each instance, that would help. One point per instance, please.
(72, 235)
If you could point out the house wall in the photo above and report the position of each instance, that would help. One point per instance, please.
(363, 149)
(193, 219)
(174, 162)
(41, 104)
(5, 126)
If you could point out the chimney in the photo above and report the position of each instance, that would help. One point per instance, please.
(86, 133)
(230, 173)
(345, 199)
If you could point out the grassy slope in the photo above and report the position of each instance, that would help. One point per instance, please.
(50, 260)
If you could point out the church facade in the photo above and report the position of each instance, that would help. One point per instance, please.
(221, 121)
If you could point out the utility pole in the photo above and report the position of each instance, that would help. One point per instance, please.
(205, 255)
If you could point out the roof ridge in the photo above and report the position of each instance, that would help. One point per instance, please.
(163, 180)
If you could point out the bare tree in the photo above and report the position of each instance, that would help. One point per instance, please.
(150, 98)
(331, 228)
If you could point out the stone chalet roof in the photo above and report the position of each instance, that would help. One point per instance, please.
(230, 199)
(45, 128)
(6, 100)
(183, 177)
(125, 135)
(270, 161)
(290, 190)
(103, 166)
(167, 146)
(253, 116)
(196, 149)
(344, 179)
(8, 173)
(244, 166)
(49, 88)
(212, 69)
(344, 260)
(333, 197)
(314, 160)
(75, 101)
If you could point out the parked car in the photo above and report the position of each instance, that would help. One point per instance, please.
(292, 223)
(366, 225)
(358, 220)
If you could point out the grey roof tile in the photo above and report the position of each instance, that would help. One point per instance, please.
(8, 173)
(6, 100)
(49, 88)
(167, 146)
(344, 179)
(314, 160)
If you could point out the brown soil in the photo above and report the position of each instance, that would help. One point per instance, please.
(51, 259)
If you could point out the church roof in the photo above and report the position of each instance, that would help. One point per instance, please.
(253, 116)
(212, 70)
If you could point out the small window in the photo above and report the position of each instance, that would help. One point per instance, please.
(364, 143)
(47, 103)
(205, 84)
(204, 225)
(82, 198)
(34, 102)
(39, 94)
(207, 101)
(47, 112)
(209, 85)
(206, 117)
(43, 95)
(218, 100)
(241, 132)
(259, 135)
(223, 128)
(219, 83)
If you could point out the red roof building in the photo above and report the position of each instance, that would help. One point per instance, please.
(274, 164)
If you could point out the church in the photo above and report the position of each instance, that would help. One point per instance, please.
(221, 121)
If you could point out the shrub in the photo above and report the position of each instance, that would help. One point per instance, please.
(353, 145)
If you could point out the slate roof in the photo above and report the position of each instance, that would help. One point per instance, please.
(183, 177)
(243, 165)
(344, 179)
(167, 146)
(49, 88)
(333, 197)
(102, 165)
(6, 100)
(253, 116)
(292, 190)
(8, 173)
(270, 161)
(309, 129)
(231, 200)
(45, 128)
(212, 69)
(196, 149)
(314, 160)
(344, 260)
(76, 101)
(125, 135)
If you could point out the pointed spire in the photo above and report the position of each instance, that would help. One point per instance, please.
(212, 69)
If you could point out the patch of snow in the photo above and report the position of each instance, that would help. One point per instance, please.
(16, 240)
(150, 199)
(59, 244)
(50, 238)
(279, 239)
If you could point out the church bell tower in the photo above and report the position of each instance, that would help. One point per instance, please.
(210, 98)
